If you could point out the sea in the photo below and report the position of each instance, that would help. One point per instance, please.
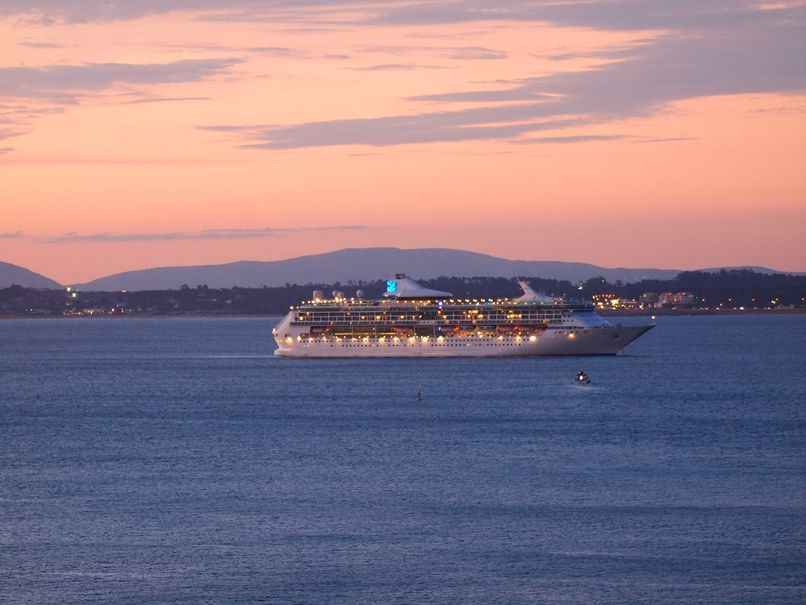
(177, 461)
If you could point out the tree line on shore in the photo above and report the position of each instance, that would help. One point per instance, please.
(723, 289)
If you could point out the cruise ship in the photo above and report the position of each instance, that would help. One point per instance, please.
(413, 321)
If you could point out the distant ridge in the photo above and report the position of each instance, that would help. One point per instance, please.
(366, 264)
(753, 268)
(13, 274)
(362, 264)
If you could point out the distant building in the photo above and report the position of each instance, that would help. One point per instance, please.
(602, 301)
(611, 301)
(677, 299)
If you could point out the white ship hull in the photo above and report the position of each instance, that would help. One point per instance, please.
(413, 321)
(604, 340)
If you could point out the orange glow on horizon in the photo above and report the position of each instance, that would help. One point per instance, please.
(146, 161)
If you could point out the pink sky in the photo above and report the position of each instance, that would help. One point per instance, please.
(622, 133)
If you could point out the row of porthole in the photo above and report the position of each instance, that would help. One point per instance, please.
(451, 344)
(331, 345)
(406, 342)
(428, 339)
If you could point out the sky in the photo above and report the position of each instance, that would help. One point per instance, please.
(640, 133)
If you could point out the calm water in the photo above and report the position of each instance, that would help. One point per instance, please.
(177, 461)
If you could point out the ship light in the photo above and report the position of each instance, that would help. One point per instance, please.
(288, 339)
(533, 338)
(411, 339)
(382, 339)
(440, 338)
(396, 339)
(572, 335)
(425, 338)
(500, 338)
(365, 339)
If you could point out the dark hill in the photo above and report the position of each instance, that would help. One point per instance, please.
(13, 274)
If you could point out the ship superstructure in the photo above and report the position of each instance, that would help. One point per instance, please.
(413, 321)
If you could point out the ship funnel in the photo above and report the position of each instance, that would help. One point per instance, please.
(405, 287)
(529, 294)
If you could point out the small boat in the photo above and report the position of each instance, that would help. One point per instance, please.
(582, 378)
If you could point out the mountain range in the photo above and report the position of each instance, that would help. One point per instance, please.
(366, 264)
(13, 274)
(350, 264)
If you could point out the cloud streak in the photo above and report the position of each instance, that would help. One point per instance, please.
(396, 67)
(65, 84)
(207, 234)
(164, 100)
(576, 138)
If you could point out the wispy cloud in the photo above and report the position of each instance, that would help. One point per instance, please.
(579, 138)
(275, 51)
(7, 133)
(396, 67)
(207, 234)
(164, 100)
(67, 83)
(732, 48)
(468, 125)
(41, 45)
(33, 92)
(462, 53)
(12, 234)
(664, 139)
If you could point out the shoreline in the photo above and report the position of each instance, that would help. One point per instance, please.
(601, 312)
(670, 312)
